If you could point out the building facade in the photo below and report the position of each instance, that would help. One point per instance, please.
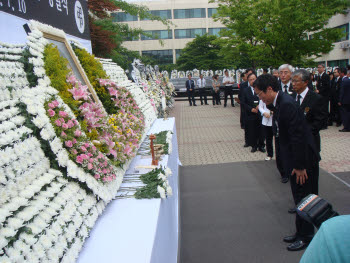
(189, 18)
(339, 56)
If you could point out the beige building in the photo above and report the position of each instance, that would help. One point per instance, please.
(194, 17)
(340, 54)
(189, 18)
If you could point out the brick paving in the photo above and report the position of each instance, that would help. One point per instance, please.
(209, 135)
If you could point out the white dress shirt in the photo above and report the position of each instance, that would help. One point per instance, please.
(303, 94)
(227, 79)
(283, 85)
(201, 83)
(262, 108)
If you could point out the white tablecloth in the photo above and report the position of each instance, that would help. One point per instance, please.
(137, 231)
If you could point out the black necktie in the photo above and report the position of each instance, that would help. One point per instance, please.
(298, 100)
(285, 88)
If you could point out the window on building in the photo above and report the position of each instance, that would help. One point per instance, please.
(338, 63)
(189, 13)
(178, 53)
(212, 11)
(158, 34)
(165, 14)
(123, 17)
(214, 31)
(345, 30)
(189, 33)
(132, 38)
(160, 56)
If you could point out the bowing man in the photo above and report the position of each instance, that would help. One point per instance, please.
(297, 148)
(311, 105)
(250, 103)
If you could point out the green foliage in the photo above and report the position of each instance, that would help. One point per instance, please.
(161, 139)
(92, 67)
(56, 68)
(202, 53)
(150, 189)
(270, 33)
(124, 57)
(29, 68)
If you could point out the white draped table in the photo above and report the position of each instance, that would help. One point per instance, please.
(137, 231)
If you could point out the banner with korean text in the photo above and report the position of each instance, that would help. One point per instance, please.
(69, 15)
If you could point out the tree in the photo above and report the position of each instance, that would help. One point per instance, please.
(202, 53)
(272, 32)
(107, 35)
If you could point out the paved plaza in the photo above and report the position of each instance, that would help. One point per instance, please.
(212, 135)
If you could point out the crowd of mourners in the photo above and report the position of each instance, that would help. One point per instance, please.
(290, 107)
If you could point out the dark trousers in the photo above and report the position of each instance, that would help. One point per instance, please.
(345, 114)
(334, 112)
(268, 133)
(325, 106)
(216, 97)
(228, 92)
(304, 229)
(202, 93)
(255, 136)
(278, 158)
(242, 120)
(191, 99)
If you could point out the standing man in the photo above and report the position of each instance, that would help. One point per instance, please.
(190, 90)
(201, 89)
(344, 103)
(253, 126)
(334, 108)
(285, 85)
(242, 87)
(298, 151)
(311, 105)
(323, 87)
(285, 74)
(228, 81)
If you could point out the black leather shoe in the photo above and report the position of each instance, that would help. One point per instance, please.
(195, 105)
(206, 104)
(298, 245)
(253, 150)
(262, 149)
(225, 105)
(245, 145)
(290, 239)
(292, 210)
(344, 130)
(284, 180)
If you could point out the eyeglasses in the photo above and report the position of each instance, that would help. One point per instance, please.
(296, 80)
(258, 94)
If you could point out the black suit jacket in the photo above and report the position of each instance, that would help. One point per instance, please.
(314, 114)
(324, 85)
(248, 102)
(344, 93)
(190, 85)
(242, 87)
(297, 146)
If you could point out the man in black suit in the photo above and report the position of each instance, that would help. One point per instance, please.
(285, 73)
(252, 115)
(311, 105)
(190, 90)
(334, 114)
(285, 85)
(323, 87)
(298, 150)
(344, 103)
(242, 87)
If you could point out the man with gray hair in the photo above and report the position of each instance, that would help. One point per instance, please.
(311, 105)
(285, 73)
